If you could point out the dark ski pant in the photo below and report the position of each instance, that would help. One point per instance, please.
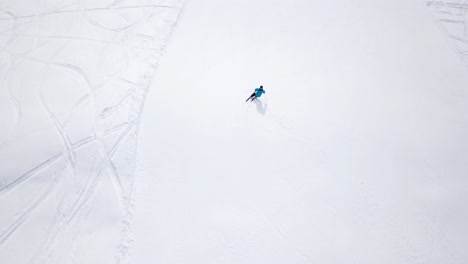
(253, 97)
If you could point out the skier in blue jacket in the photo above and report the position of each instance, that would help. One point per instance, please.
(258, 92)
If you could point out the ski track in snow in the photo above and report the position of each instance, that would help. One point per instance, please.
(86, 113)
(453, 15)
(88, 66)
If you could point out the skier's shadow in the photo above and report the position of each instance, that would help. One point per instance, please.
(261, 108)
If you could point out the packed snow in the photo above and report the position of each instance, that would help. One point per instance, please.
(125, 136)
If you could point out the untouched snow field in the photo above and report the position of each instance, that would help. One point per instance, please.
(125, 136)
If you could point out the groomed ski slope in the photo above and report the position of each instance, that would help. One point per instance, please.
(125, 136)
(357, 153)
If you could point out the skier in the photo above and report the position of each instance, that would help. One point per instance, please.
(258, 92)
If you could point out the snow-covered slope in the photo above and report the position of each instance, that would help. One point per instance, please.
(74, 75)
(357, 153)
(113, 153)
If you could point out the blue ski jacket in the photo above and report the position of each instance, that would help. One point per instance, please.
(259, 92)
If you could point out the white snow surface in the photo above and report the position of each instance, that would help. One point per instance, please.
(125, 136)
